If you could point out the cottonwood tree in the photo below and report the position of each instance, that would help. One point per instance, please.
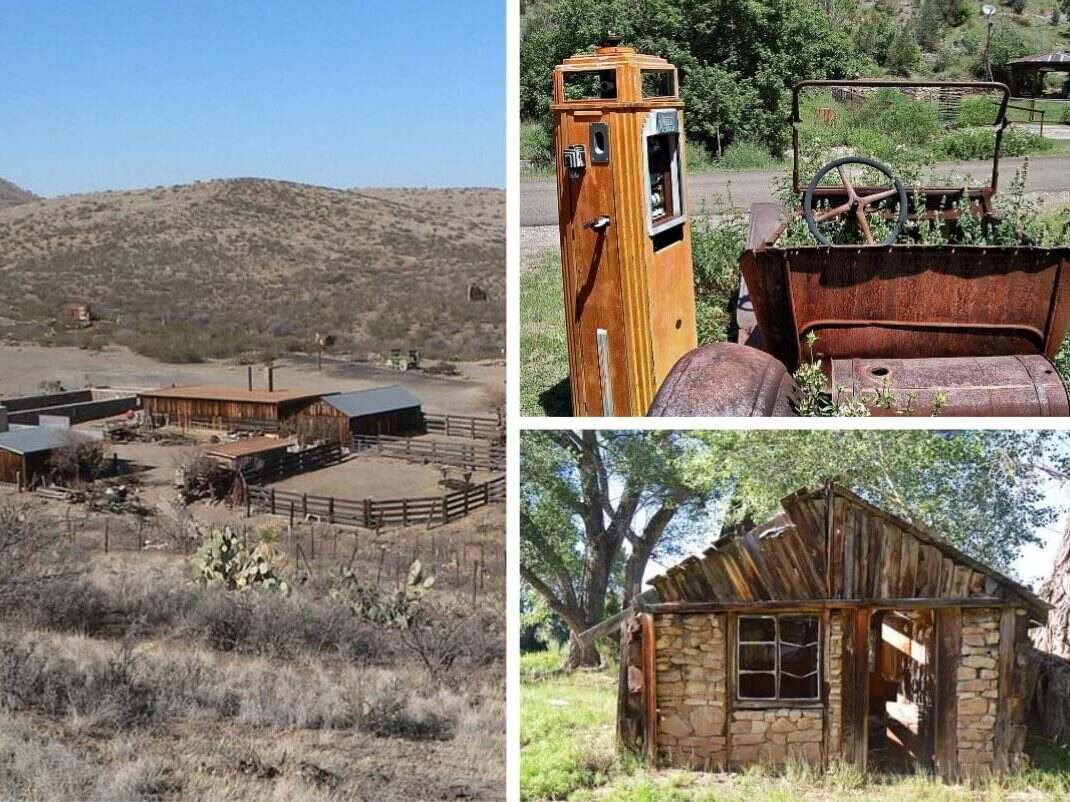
(581, 491)
(593, 507)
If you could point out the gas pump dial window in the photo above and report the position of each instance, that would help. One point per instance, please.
(664, 201)
(659, 83)
(589, 84)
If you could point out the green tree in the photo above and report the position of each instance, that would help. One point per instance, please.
(593, 507)
(761, 48)
(903, 55)
(931, 24)
(596, 506)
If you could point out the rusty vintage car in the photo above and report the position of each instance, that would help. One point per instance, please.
(960, 329)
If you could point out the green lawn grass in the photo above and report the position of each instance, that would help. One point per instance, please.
(567, 752)
(543, 349)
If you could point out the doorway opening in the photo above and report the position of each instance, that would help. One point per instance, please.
(901, 692)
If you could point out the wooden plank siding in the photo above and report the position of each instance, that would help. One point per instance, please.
(853, 552)
(948, 650)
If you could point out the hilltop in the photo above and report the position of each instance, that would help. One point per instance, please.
(223, 267)
(12, 195)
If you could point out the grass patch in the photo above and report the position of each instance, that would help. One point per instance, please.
(567, 751)
(543, 350)
(566, 735)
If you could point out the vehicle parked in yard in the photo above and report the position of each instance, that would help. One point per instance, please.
(962, 323)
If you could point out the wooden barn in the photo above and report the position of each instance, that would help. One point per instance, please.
(833, 633)
(226, 407)
(26, 453)
(389, 410)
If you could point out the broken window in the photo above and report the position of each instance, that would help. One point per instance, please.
(778, 658)
(590, 84)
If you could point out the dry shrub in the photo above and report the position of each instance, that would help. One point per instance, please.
(393, 714)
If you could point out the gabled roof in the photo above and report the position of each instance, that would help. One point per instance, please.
(372, 402)
(1043, 58)
(208, 392)
(37, 439)
(830, 544)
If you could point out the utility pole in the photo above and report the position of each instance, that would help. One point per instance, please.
(990, 12)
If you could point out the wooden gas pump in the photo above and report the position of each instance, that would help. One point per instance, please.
(625, 239)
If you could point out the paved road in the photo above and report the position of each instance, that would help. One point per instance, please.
(538, 199)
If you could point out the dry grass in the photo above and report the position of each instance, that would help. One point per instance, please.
(221, 268)
(129, 682)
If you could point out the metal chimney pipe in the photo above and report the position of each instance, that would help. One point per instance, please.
(250, 378)
(271, 379)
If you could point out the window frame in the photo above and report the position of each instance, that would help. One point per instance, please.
(777, 700)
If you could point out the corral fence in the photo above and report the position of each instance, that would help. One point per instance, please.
(482, 428)
(277, 467)
(376, 513)
(490, 456)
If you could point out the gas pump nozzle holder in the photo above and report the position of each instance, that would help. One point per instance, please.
(625, 238)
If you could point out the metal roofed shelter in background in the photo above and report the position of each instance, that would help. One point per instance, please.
(836, 632)
(1027, 74)
(26, 454)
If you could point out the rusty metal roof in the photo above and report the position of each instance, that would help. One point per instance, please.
(248, 446)
(209, 392)
(831, 544)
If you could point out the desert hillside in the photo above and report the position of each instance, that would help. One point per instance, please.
(220, 268)
(12, 195)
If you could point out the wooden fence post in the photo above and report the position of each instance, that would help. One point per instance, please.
(304, 505)
(368, 514)
(272, 501)
(330, 510)
(105, 535)
(404, 512)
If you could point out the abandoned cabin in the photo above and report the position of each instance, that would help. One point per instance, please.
(391, 410)
(834, 633)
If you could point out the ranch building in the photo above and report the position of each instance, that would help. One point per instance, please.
(835, 632)
(26, 453)
(389, 410)
(225, 407)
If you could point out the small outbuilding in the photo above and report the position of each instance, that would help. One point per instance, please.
(391, 410)
(26, 453)
(835, 632)
(241, 453)
(1028, 74)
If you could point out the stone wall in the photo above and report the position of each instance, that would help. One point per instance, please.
(978, 691)
(773, 736)
(691, 690)
(692, 694)
(833, 666)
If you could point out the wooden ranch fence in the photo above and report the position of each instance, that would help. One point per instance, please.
(377, 513)
(288, 464)
(466, 426)
(490, 455)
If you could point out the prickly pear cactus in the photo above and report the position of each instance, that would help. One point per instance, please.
(223, 560)
(399, 609)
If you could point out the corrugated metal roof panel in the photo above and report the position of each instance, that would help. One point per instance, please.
(35, 439)
(372, 402)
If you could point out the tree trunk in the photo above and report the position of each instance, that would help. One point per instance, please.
(1055, 637)
(581, 656)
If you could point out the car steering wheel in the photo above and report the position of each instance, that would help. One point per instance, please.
(856, 204)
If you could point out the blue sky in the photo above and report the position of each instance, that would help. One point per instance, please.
(117, 94)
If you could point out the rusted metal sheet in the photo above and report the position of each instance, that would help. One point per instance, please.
(968, 386)
(909, 301)
(725, 379)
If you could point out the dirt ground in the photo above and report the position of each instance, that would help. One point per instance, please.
(479, 390)
(376, 477)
